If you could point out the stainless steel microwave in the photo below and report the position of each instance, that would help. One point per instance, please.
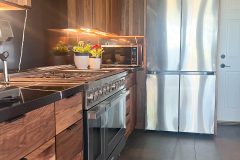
(122, 55)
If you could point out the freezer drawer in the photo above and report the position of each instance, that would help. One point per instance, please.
(199, 35)
(197, 103)
(162, 102)
(163, 35)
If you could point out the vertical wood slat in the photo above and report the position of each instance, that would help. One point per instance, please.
(84, 13)
(132, 17)
(72, 13)
(99, 14)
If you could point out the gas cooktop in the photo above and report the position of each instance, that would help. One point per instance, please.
(62, 75)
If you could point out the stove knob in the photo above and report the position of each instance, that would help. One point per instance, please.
(95, 95)
(108, 88)
(104, 90)
(100, 92)
(90, 97)
(113, 87)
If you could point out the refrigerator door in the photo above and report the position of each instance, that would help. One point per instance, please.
(197, 103)
(162, 102)
(163, 35)
(199, 35)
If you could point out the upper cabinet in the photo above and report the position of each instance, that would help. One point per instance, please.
(122, 17)
(114, 16)
(80, 13)
(15, 4)
(132, 21)
(100, 14)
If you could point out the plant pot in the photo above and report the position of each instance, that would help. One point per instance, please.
(81, 60)
(58, 59)
(95, 63)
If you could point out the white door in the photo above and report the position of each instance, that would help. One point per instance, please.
(229, 62)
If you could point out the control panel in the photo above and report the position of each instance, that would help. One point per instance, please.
(103, 91)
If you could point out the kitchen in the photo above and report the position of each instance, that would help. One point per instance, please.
(167, 87)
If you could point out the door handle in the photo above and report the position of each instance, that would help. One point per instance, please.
(223, 66)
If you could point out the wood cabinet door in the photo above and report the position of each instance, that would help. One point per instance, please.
(68, 111)
(80, 13)
(131, 111)
(69, 143)
(99, 14)
(113, 17)
(22, 135)
(44, 152)
(132, 17)
(85, 13)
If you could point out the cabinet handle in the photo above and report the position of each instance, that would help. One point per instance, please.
(15, 118)
(72, 127)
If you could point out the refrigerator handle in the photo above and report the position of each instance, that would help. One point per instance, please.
(198, 73)
(163, 72)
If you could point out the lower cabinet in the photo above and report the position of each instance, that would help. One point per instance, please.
(69, 143)
(23, 134)
(131, 111)
(45, 152)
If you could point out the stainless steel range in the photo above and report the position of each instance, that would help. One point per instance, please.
(104, 118)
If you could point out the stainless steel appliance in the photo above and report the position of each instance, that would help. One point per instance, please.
(104, 118)
(181, 62)
(121, 55)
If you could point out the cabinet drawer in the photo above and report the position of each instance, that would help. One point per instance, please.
(69, 143)
(23, 135)
(68, 111)
(45, 152)
(130, 80)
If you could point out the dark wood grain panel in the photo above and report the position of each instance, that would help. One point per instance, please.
(72, 13)
(113, 16)
(99, 14)
(44, 152)
(69, 143)
(132, 20)
(130, 79)
(20, 137)
(136, 17)
(68, 111)
(85, 13)
(141, 99)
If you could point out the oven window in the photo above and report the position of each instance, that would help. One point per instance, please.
(95, 139)
(115, 121)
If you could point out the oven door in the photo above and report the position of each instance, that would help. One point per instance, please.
(115, 121)
(95, 131)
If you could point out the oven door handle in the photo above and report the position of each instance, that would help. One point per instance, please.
(95, 114)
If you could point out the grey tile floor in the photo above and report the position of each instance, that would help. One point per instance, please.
(146, 145)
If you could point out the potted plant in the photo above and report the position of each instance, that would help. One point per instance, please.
(95, 57)
(60, 49)
(81, 54)
(60, 54)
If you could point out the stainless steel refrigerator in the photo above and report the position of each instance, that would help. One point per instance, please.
(181, 63)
